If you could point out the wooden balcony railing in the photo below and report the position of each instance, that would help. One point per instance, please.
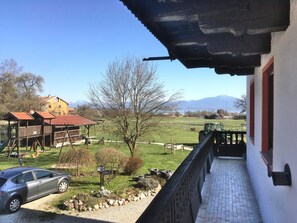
(180, 198)
(230, 143)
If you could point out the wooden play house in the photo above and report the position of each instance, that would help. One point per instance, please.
(42, 129)
(27, 130)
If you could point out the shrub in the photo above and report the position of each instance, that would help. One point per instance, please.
(78, 158)
(148, 183)
(111, 159)
(133, 165)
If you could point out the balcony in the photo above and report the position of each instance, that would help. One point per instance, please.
(211, 185)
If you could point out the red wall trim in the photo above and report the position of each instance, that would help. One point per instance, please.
(265, 77)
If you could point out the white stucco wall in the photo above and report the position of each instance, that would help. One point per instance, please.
(277, 204)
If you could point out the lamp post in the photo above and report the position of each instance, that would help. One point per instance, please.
(21, 161)
(101, 172)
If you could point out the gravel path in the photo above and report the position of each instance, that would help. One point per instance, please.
(39, 211)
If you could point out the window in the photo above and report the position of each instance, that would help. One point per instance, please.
(267, 111)
(252, 110)
(43, 174)
(23, 178)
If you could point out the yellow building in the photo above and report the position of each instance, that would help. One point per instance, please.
(55, 105)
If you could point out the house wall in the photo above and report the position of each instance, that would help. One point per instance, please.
(277, 203)
(57, 106)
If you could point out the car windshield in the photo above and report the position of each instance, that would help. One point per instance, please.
(2, 181)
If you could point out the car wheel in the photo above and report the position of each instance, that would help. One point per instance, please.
(14, 204)
(63, 186)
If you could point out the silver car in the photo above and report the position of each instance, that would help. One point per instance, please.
(20, 185)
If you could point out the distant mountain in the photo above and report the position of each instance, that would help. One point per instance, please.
(77, 103)
(209, 104)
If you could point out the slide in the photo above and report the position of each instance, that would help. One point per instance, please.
(3, 145)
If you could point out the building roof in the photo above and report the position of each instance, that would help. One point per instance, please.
(18, 116)
(71, 120)
(48, 98)
(228, 35)
(44, 115)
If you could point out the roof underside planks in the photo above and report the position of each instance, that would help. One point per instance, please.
(228, 35)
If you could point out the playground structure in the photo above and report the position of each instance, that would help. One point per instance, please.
(41, 129)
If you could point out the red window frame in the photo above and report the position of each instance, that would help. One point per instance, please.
(267, 106)
(252, 110)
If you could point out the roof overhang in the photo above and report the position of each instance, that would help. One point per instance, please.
(18, 116)
(228, 35)
(70, 120)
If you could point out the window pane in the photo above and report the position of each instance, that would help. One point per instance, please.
(43, 174)
(28, 176)
(23, 178)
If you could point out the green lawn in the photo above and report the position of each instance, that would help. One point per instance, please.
(177, 130)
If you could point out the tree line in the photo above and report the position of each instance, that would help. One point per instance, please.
(18, 89)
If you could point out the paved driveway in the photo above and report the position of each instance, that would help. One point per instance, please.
(39, 211)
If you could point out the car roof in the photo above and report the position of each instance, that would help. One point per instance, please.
(14, 171)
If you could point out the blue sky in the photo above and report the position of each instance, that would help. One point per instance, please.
(71, 42)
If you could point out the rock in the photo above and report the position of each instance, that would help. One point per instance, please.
(158, 188)
(153, 171)
(166, 173)
(70, 207)
(105, 205)
(104, 193)
(80, 208)
(121, 202)
(96, 206)
(141, 195)
(75, 203)
(90, 209)
(110, 202)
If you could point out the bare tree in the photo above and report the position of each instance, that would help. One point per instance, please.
(241, 103)
(132, 98)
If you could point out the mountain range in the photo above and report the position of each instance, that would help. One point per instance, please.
(209, 104)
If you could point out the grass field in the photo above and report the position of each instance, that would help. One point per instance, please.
(177, 130)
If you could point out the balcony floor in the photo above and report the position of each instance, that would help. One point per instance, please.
(227, 194)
